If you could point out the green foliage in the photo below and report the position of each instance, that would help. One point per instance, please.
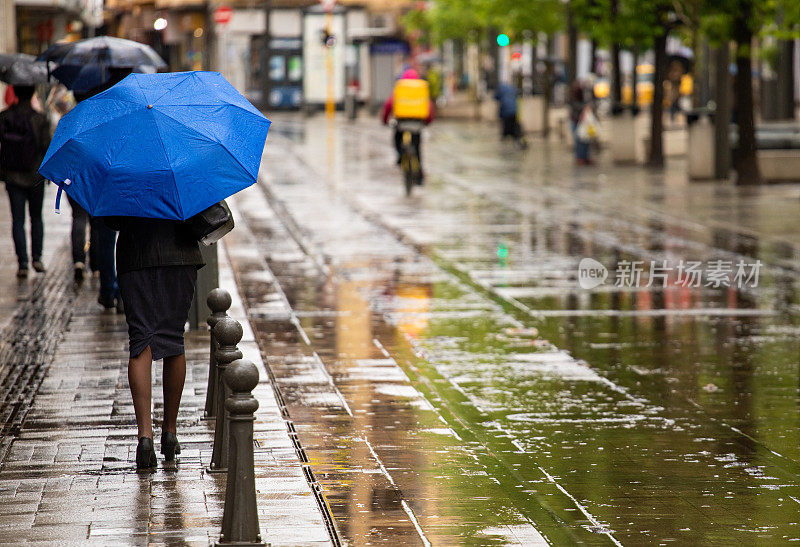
(418, 22)
(630, 23)
(470, 19)
(461, 19)
(634, 23)
(518, 16)
(776, 18)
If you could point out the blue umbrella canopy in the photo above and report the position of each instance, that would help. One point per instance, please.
(158, 145)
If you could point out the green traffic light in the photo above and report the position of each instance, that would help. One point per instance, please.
(503, 40)
(502, 251)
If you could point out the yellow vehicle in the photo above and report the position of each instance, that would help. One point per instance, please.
(644, 86)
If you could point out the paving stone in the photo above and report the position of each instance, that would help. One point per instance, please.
(69, 476)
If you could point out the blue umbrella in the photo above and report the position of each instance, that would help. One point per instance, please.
(157, 145)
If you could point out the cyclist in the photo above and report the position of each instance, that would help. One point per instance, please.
(408, 102)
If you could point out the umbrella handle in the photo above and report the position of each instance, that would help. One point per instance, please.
(61, 185)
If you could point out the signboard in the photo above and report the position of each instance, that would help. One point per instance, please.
(315, 55)
(223, 15)
(328, 5)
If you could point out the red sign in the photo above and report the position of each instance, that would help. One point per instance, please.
(328, 5)
(222, 15)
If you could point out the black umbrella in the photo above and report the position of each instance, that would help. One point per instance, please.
(22, 69)
(105, 51)
(83, 78)
(685, 62)
(86, 64)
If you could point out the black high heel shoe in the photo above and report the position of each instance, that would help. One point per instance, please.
(169, 445)
(145, 454)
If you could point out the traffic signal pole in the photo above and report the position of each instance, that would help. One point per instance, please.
(330, 100)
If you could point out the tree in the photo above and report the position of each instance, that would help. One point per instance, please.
(742, 21)
(635, 25)
(743, 30)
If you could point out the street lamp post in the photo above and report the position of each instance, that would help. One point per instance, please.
(266, 52)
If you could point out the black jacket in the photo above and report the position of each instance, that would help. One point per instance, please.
(41, 130)
(148, 243)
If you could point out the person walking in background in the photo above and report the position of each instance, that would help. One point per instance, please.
(157, 263)
(102, 238)
(506, 97)
(578, 112)
(24, 138)
(80, 220)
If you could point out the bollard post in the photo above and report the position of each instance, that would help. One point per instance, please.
(228, 333)
(240, 515)
(219, 301)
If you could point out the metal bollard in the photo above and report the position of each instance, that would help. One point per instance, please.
(219, 301)
(240, 516)
(228, 333)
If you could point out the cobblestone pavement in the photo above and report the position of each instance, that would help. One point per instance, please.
(56, 229)
(69, 476)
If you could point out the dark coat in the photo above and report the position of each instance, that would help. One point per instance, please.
(506, 95)
(148, 243)
(41, 130)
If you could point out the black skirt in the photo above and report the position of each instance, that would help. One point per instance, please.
(157, 304)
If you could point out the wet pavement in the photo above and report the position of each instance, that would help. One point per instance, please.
(56, 229)
(69, 474)
(451, 383)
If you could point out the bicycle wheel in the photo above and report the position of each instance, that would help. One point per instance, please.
(416, 169)
(408, 178)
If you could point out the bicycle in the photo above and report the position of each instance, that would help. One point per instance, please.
(409, 156)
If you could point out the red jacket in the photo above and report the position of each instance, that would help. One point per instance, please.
(10, 97)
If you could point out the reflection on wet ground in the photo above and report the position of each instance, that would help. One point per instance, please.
(13, 291)
(452, 383)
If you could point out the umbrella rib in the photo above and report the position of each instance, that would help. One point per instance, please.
(210, 138)
(171, 171)
(167, 92)
(226, 99)
(87, 129)
(258, 115)
(163, 147)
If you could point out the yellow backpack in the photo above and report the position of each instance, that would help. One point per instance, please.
(412, 99)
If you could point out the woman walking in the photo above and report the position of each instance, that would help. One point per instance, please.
(189, 140)
(157, 263)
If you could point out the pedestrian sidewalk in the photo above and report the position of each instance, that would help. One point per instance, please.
(56, 238)
(69, 475)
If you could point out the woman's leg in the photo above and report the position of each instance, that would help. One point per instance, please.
(140, 379)
(174, 376)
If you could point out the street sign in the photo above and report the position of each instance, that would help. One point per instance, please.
(222, 15)
(328, 5)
